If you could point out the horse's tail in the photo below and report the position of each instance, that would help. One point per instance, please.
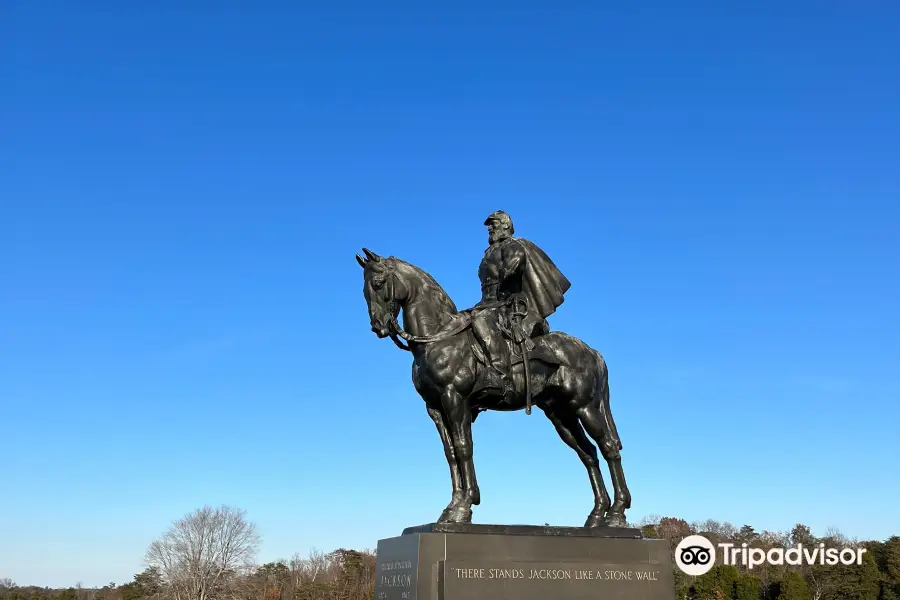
(603, 400)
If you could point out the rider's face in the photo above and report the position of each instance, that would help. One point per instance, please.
(497, 231)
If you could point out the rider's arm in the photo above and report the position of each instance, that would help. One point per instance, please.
(513, 260)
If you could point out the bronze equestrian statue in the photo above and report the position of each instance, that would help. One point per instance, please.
(499, 355)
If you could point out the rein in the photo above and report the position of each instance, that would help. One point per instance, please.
(398, 331)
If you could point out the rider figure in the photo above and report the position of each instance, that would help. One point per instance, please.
(511, 267)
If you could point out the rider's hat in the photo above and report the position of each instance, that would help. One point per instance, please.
(499, 215)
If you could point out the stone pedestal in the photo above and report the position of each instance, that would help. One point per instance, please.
(503, 562)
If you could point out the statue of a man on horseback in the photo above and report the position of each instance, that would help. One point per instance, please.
(520, 288)
(499, 355)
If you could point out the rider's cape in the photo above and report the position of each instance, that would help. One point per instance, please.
(543, 285)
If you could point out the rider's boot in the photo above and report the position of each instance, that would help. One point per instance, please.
(494, 378)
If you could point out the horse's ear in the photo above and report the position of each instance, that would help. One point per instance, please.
(361, 261)
(371, 255)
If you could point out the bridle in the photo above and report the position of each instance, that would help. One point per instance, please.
(516, 302)
(397, 332)
(394, 310)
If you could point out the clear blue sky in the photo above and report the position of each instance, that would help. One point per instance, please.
(182, 322)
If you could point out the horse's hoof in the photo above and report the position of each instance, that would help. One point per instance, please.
(445, 516)
(615, 519)
(595, 519)
(459, 516)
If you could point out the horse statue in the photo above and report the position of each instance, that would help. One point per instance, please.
(563, 376)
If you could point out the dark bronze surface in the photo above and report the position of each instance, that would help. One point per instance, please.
(499, 355)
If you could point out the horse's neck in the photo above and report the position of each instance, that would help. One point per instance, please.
(426, 310)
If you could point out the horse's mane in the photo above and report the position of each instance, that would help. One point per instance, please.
(430, 287)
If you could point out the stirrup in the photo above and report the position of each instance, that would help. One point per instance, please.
(507, 385)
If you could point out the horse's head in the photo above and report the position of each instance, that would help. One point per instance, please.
(385, 292)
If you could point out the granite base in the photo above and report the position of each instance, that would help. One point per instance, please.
(505, 562)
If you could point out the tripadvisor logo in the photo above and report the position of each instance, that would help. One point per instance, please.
(696, 555)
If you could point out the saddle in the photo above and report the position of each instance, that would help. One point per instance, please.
(534, 346)
(513, 334)
(524, 343)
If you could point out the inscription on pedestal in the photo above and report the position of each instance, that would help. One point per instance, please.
(397, 575)
(396, 572)
(573, 581)
(507, 566)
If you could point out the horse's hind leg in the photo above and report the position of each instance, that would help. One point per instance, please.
(597, 420)
(570, 431)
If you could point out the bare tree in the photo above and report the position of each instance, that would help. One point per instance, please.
(312, 569)
(834, 537)
(722, 529)
(200, 554)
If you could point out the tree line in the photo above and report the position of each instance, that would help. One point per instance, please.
(877, 578)
(211, 554)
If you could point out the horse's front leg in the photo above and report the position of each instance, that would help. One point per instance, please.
(459, 418)
(450, 452)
